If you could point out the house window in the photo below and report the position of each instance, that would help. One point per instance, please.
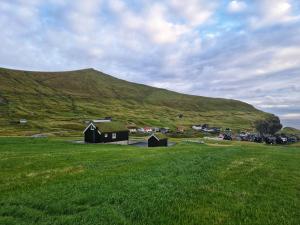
(92, 128)
(106, 135)
(114, 136)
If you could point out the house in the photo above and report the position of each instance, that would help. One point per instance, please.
(23, 121)
(157, 140)
(105, 132)
(148, 130)
(132, 129)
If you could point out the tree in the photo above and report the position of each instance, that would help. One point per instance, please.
(268, 126)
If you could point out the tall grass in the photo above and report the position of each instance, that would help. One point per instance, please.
(48, 181)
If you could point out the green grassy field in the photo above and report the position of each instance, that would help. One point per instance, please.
(52, 181)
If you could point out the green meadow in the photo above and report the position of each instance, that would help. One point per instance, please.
(55, 181)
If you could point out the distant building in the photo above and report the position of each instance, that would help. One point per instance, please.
(23, 121)
(106, 132)
(132, 129)
(157, 140)
(148, 130)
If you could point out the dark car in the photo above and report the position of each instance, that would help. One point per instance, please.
(258, 139)
(270, 140)
(227, 137)
(281, 140)
(291, 139)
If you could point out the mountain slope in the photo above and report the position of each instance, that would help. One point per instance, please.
(62, 101)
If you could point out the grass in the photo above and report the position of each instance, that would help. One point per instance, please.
(54, 181)
(59, 103)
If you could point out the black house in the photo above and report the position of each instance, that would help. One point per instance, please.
(157, 140)
(106, 132)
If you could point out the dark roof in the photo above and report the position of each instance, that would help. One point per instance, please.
(111, 127)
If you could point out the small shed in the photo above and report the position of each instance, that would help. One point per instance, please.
(157, 140)
(106, 132)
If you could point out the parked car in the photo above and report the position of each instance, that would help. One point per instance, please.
(258, 139)
(227, 137)
(281, 140)
(292, 139)
(270, 140)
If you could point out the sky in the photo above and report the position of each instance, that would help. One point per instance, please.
(243, 49)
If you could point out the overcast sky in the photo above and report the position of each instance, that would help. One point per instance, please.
(246, 50)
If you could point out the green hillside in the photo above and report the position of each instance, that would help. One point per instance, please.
(290, 131)
(60, 102)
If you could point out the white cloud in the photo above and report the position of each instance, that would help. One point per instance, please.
(152, 21)
(237, 6)
(195, 12)
(162, 30)
(291, 116)
(274, 12)
(83, 16)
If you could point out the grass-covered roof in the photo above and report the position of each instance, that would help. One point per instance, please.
(111, 127)
(159, 136)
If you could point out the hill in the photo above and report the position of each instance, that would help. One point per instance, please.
(60, 102)
(290, 131)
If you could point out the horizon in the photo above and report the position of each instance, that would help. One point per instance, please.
(243, 50)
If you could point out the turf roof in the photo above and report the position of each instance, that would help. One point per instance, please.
(159, 135)
(111, 127)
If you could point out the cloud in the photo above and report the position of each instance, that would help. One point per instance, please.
(274, 12)
(195, 12)
(237, 6)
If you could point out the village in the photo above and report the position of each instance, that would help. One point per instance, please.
(108, 131)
